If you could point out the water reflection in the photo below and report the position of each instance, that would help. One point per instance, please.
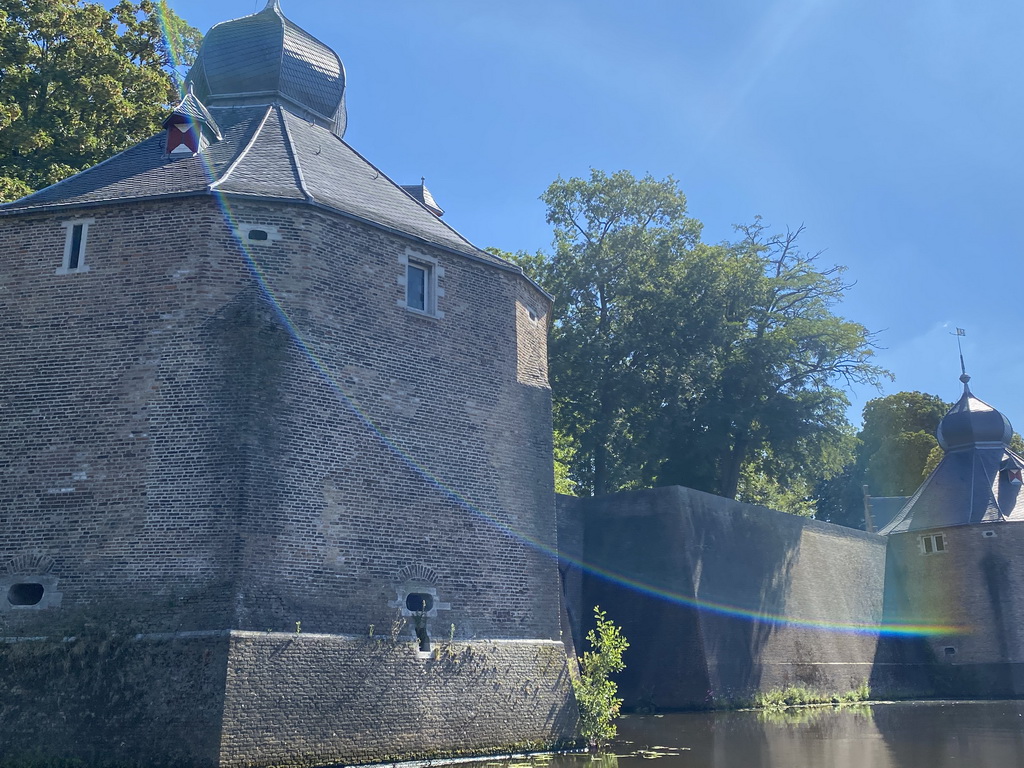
(895, 735)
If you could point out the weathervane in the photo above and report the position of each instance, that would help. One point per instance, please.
(963, 370)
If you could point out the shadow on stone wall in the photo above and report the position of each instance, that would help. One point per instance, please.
(700, 585)
(109, 699)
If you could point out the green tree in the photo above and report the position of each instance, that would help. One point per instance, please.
(720, 367)
(565, 454)
(79, 83)
(791, 492)
(895, 450)
(897, 437)
(781, 378)
(594, 689)
(614, 237)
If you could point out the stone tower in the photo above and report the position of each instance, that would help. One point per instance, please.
(276, 459)
(953, 565)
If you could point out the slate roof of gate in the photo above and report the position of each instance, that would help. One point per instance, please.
(970, 485)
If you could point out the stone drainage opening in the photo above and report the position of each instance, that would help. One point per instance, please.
(25, 594)
(419, 602)
(258, 234)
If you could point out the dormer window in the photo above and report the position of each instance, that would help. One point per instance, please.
(183, 135)
(1012, 470)
(190, 128)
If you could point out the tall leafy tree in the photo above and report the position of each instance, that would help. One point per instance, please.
(720, 367)
(79, 82)
(615, 237)
(779, 399)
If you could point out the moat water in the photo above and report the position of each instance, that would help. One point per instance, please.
(933, 734)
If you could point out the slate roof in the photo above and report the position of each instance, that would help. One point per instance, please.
(885, 508)
(266, 152)
(421, 193)
(972, 420)
(968, 486)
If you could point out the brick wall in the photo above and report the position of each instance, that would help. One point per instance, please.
(248, 699)
(202, 437)
(303, 700)
(112, 469)
(213, 437)
(398, 449)
(972, 588)
(107, 699)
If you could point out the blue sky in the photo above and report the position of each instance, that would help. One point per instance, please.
(892, 130)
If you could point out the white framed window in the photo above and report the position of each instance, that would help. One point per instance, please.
(420, 282)
(75, 246)
(933, 544)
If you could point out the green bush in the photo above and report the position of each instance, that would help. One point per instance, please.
(795, 696)
(595, 693)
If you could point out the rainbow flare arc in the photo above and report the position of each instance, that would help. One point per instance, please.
(323, 372)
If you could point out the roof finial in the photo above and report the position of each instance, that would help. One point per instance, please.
(275, 4)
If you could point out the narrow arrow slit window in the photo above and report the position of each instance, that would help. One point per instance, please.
(75, 246)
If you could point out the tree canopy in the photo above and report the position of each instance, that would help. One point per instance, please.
(79, 82)
(892, 456)
(898, 435)
(674, 361)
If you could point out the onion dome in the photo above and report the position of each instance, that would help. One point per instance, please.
(265, 58)
(972, 421)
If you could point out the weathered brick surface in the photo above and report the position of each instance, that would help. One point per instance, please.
(232, 438)
(972, 587)
(258, 699)
(113, 413)
(694, 580)
(304, 700)
(108, 699)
